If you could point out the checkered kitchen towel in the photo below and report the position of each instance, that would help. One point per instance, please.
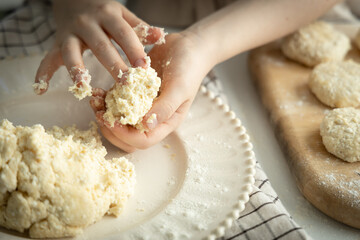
(30, 30)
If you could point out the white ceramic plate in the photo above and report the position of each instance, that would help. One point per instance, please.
(190, 186)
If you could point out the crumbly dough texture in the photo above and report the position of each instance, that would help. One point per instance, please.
(40, 86)
(336, 84)
(128, 102)
(316, 43)
(142, 31)
(81, 87)
(55, 183)
(340, 131)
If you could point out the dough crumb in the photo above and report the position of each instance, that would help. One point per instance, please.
(56, 182)
(127, 102)
(152, 118)
(316, 43)
(340, 133)
(167, 146)
(142, 31)
(336, 84)
(82, 79)
(41, 85)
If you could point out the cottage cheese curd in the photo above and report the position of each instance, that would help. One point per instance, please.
(56, 182)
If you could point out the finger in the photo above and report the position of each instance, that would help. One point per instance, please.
(152, 34)
(133, 137)
(115, 141)
(48, 66)
(110, 136)
(99, 92)
(131, 18)
(97, 101)
(127, 39)
(156, 36)
(72, 56)
(95, 38)
(164, 106)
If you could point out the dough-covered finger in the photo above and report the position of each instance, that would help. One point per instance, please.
(72, 55)
(48, 66)
(149, 34)
(127, 39)
(108, 134)
(146, 33)
(99, 92)
(116, 141)
(97, 101)
(95, 38)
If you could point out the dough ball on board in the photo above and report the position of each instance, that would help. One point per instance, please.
(336, 84)
(340, 132)
(316, 43)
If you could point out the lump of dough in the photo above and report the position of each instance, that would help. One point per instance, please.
(55, 183)
(316, 43)
(336, 84)
(142, 31)
(127, 102)
(81, 87)
(340, 131)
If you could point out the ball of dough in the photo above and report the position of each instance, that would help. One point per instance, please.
(128, 102)
(357, 39)
(316, 43)
(336, 84)
(56, 182)
(340, 133)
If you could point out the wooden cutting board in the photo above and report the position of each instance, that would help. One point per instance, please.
(330, 184)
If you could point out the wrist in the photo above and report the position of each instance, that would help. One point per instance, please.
(204, 47)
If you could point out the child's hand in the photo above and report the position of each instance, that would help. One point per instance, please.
(83, 24)
(181, 63)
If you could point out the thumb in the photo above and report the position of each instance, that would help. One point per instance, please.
(164, 108)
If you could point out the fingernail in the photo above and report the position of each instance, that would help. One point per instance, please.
(140, 63)
(151, 122)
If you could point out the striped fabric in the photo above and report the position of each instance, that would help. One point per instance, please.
(30, 30)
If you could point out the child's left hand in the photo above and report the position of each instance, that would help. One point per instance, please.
(182, 62)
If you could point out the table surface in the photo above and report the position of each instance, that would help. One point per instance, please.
(245, 101)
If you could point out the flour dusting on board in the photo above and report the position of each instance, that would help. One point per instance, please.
(345, 188)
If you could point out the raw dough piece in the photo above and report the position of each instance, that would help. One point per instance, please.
(40, 86)
(337, 84)
(340, 131)
(357, 39)
(142, 31)
(316, 43)
(81, 87)
(127, 102)
(57, 182)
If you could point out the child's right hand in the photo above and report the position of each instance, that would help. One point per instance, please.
(91, 24)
